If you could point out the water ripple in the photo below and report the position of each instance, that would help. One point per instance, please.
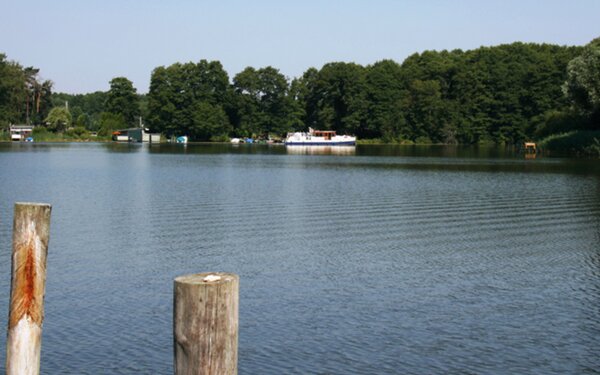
(349, 265)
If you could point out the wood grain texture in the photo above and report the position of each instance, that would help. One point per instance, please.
(205, 322)
(31, 232)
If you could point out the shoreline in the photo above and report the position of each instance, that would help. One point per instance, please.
(577, 144)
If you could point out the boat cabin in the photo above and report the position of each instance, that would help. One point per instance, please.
(326, 134)
(530, 148)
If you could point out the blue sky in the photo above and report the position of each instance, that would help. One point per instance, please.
(82, 44)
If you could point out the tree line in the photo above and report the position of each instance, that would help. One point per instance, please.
(501, 94)
(24, 96)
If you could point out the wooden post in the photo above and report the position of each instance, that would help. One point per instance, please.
(31, 232)
(205, 324)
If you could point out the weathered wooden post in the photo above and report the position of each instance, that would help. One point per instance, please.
(31, 232)
(205, 323)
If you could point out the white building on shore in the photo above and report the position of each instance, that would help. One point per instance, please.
(20, 132)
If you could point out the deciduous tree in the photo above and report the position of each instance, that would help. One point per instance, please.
(582, 86)
(122, 99)
(59, 119)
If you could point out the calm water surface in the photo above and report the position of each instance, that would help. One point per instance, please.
(374, 260)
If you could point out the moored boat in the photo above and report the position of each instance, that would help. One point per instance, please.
(319, 138)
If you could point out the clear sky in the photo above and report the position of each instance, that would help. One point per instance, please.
(82, 44)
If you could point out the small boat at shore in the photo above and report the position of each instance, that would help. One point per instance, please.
(319, 138)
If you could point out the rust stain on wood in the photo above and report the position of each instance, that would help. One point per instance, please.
(28, 285)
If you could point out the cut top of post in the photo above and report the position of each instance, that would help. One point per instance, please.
(207, 278)
(31, 204)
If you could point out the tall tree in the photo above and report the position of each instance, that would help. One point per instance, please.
(12, 91)
(384, 97)
(303, 92)
(265, 105)
(108, 122)
(92, 106)
(178, 92)
(424, 111)
(582, 86)
(209, 122)
(31, 86)
(122, 99)
(339, 97)
(43, 101)
(491, 94)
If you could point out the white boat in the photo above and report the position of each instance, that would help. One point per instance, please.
(319, 138)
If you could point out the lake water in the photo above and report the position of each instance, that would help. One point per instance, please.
(374, 260)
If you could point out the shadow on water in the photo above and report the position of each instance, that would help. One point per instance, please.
(426, 158)
(117, 147)
(430, 158)
(446, 151)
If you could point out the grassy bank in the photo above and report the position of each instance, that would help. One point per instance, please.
(578, 143)
(41, 134)
(583, 143)
(421, 141)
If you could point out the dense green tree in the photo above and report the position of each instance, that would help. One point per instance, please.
(23, 97)
(582, 86)
(209, 122)
(250, 117)
(264, 102)
(501, 94)
(384, 95)
(274, 101)
(143, 105)
(109, 122)
(337, 98)
(37, 96)
(92, 105)
(303, 92)
(177, 92)
(296, 99)
(76, 111)
(160, 107)
(122, 99)
(424, 112)
(59, 119)
(12, 91)
(82, 121)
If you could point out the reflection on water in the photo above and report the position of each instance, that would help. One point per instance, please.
(321, 150)
(388, 259)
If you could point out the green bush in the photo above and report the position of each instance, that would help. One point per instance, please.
(584, 143)
(220, 138)
(557, 122)
(42, 134)
(423, 141)
(77, 133)
(373, 141)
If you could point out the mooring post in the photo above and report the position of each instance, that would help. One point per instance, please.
(205, 323)
(31, 232)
